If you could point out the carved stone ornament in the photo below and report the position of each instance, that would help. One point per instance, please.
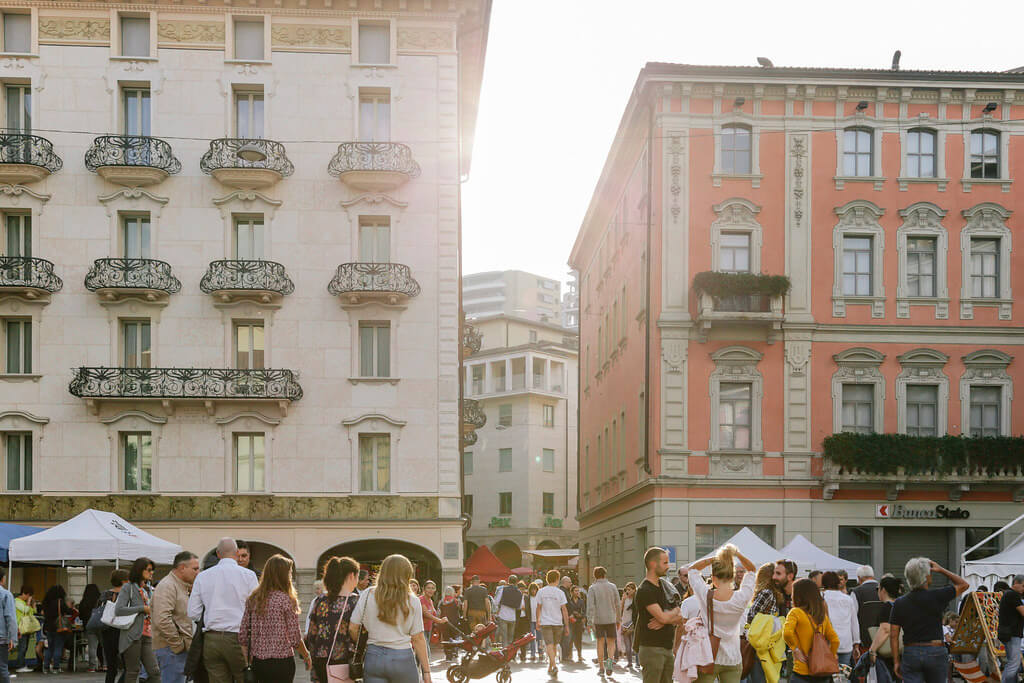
(798, 354)
(73, 30)
(674, 353)
(190, 32)
(676, 148)
(986, 364)
(311, 36)
(860, 213)
(798, 149)
(425, 39)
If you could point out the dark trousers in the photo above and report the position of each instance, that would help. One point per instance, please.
(275, 670)
(109, 640)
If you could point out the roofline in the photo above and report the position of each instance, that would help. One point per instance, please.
(788, 73)
(551, 348)
(527, 321)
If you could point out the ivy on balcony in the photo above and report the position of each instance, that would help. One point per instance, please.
(725, 285)
(888, 454)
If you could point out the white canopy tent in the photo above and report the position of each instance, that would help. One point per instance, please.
(753, 547)
(89, 537)
(809, 556)
(1000, 566)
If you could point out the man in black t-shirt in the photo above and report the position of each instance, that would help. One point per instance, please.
(654, 617)
(1011, 626)
(478, 603)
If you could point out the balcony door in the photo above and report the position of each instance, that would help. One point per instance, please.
(248, 114)
(248, 239)
(19, 240)
(374, 240)
(135, 237)
(135, 341)
(137, 111)
(19, 109)
(374, 116)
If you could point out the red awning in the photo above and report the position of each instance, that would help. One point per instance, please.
(487, 565)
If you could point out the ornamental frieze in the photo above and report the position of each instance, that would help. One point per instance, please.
(73, 30)
(306, 36)
(157, 508)
(190, 32)
(425, 39)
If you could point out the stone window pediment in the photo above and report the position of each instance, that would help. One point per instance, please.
(859, 218)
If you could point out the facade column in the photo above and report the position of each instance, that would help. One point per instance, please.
(488, 378)
(304, 579)
(78, 578)
(548, 383)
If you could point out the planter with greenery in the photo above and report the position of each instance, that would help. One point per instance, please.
(891, 454)
(724, 285)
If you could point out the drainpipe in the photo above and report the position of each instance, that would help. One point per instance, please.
(647, 295)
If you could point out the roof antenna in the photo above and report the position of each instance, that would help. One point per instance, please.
(764, 61)
(896, 60)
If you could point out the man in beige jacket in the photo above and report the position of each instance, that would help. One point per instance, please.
(172, 629)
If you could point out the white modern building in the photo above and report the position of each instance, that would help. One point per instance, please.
(519, 469)
(512, 292)
(230, 271)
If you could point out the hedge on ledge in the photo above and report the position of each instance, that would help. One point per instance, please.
(721, 285)
(963, 455)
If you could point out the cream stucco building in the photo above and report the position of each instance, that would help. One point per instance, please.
(229, 289)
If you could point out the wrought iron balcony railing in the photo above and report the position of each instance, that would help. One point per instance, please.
(28, 273)
(18, 148)
(133, 274)
(223, 154)
(241, 275)
(472, 339)
(473, 416)
(373, 156)
(185, 383)
(391, 280)
(131, 150)
(469, 439)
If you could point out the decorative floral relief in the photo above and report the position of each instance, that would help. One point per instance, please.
(424, 39)
(190, 32)
(311, 36)
(66, 28)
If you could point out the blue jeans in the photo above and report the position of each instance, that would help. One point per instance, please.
(536, 638)
(23, 641)
(1012, 668)
(384, 665)
(924, 664)
(53, 656)
(845, 658)
(172, 666)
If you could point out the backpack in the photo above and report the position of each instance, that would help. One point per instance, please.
(510, 597)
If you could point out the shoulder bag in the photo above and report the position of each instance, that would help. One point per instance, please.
(63, 621)
(821, 661)
(355, 667)
(715, 640)
(339, 673)
(749, 655)
(248, 675)
(110, 618)
(28, 623)
(95, 622)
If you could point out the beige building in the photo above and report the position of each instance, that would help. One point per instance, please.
(512, 292)
(519, 470)
(231, 306)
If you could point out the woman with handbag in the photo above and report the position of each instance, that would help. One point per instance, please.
(88, 604)
(57, 626)
(577, 609)
(109, 636)
(889, 588)
(135, 643)
(626, 622)
(269, 632)
(809, 634)
(25, 612)
(327, 637)
(393, 618)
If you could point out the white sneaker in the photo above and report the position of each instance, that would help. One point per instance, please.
(24, 670)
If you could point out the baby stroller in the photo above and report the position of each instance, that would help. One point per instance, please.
(481, 663)
(472, 644)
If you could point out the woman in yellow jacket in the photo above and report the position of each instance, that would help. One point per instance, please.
(809, 614)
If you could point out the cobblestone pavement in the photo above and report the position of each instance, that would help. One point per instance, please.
(530, 672)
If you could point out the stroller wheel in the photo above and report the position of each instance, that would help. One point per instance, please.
(456, 674)
(505, 675)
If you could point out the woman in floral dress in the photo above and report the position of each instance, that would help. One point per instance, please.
(329, 614)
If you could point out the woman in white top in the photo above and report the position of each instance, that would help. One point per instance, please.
(729, 604)
(842, 612)
(393, 618)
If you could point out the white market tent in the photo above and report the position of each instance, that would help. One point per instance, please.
(92, 536)
(809, 556)
(998, 567)
(753, 547)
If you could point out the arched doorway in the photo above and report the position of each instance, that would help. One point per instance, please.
(370, 553)
(548, 545)
(259, 553)
(509, 553)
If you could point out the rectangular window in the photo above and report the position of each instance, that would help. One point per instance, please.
(249, 346)
(549, 416)
(855, 544)
(710, 536)
(135, 237)
(375, 463)
(19, 109)
(734, 252)
(18, 33)
(477, 375)
(505, 460)
(374, 116)
(922, 409)
(539, 367)
(857, 266)
(136, 343)
(137, 460)
(467, 504)
(248, 238)
(736, 149)
(859, 408)
(19, 461)
(548, 460)
(921, 154)
(375, 349)
(548, 506)
(498, 376)
(18, 335)
(505, 503)
(622, 441)
(137, 113)
(467, 462)
(986, 411)
(921, 254)
(985, 267)
(374, 239)
(734, 416)
(250, 462)
(135, 36)
(858, 152)
(374, 43)
(985, 154)
(18, 239)
(975, 535)
(249, 39)
(505, 414)
(249, 114)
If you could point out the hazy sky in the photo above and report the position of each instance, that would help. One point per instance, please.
(559, 73)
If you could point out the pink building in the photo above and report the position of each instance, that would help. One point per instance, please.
(888, 200)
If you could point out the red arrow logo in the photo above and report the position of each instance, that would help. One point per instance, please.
(883, 510)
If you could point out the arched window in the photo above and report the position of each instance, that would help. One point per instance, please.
(921, 153)
(736, 149)
(858, 152)
(985, 154)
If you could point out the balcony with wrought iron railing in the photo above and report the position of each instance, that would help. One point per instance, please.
(169, 386)
(246, 163)
(472, 338)
(114, 279)
(373, 166)
(473, 418)
(232, 280)
(387, 283)
(26, 158)
(31, 278)
(131, 160)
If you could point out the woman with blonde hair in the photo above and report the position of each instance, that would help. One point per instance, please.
(393, 618)
(269, 631)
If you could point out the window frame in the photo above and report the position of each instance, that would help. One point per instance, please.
(547, 505)
(548, 455)
(858, 365)
(548, 415)
(986, 220)
(751, 123)
(977, 431)
(250, 327)
(923, 366)
(120, 44)
(919, 155)
(999, 128)
(236, 440)
(504, 414)
(375, 361)
(379, 98)
(26, 353)
(737, 364)
(123, 438)
(857, 429)
(503, 497)
(722, 402)
(506, 460)
(25, 441)
(467, 463)
(33, 48)
(375, 439)
(737, 216)
(144, 355)
(251, 94)
(985, 159)
(859, 218)
(923, 220)
(731, 153)
(231, 42)
(987, 367)
(25, 107)
(380, 227)
(357, 56)
(857, 154)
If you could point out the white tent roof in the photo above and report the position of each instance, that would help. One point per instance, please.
(92, 535)
(755, 549)
(554, 552)
(809, 556)
(999, 566)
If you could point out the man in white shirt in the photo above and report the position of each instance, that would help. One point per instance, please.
(552, 617)
(218, 598)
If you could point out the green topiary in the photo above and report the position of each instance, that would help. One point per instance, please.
(722, 285)
(942, 455)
